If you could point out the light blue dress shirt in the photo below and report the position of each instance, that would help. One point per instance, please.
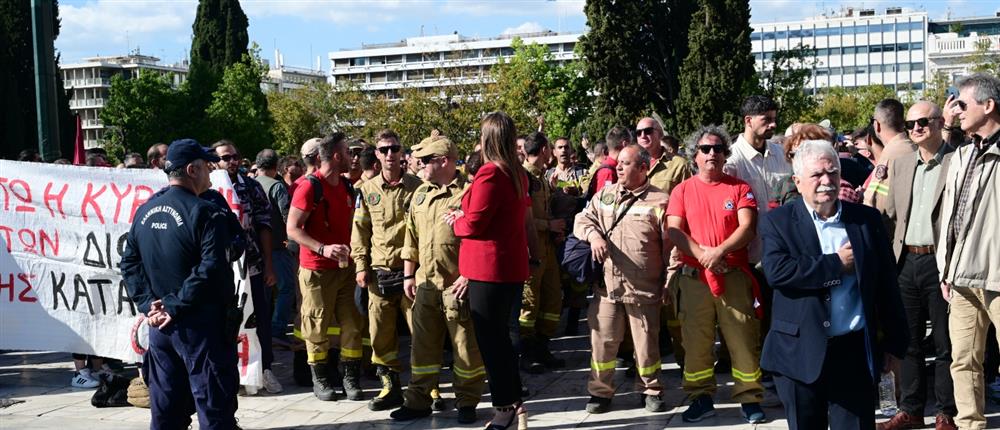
(846, 310)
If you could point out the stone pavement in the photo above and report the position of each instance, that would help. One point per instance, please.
(40, 380)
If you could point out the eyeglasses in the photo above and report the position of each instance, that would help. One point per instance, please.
(642, 131)
(921, 121)
(230, 157)
(394, 148)
(719, 149)
(427, 159)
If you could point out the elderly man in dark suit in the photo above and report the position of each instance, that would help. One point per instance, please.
(916, 186)
(837, 319)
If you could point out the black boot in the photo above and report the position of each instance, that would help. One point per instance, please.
(391, 396)
(352, 380)
(321, 384)
(546, 357)
(300, 369)
(530, 360)
(333, 358)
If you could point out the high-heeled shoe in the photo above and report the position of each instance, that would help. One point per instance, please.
(520, 415)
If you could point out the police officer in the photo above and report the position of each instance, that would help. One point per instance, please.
(183, 239)
(431, 280)
(376, 243)
(542, 302)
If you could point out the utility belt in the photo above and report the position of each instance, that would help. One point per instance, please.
(389, 282)
(695, 272)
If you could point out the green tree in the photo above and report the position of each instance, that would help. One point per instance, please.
(239, 108)
(632, 55)
(308, 112)
(141, 111)
(220, 39)
(849, 108)
(786, 80)
(986, 58)
(718, 72)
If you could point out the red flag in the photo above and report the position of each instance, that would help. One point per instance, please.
(79, 154)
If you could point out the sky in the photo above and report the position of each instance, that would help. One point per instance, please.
(305, 29)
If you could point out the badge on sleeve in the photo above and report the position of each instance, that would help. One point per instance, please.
(374, 199)
(419, 198)
(608, 198)
(729, 205)
(881, 172)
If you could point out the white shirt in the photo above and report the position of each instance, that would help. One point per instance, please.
(764, 172)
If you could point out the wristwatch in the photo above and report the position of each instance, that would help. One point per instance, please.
(409, 277)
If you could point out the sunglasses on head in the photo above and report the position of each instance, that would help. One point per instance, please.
(230, 157)
(719, 149)
(642, 131)
(394, 148)
(922, 121)
(427, 159)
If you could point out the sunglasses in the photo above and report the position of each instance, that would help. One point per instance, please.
(719, 149)
(394, 148)
(647, 131)
(427, 159)
(230, 157)
(961, 105)
(921, 121)
(355, 152)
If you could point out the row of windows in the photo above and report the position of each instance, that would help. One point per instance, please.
(871, 68)
(465, 54)
(850, 50)
(838, 31)
(416, 75)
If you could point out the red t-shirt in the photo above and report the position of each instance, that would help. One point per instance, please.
(606, 174)
(710, 209)
(330, 223)
(494, 239)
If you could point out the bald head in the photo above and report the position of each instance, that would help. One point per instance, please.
(923, 123)
(924, 106)
(648, 133)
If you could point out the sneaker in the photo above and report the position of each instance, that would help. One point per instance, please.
(771, 399)
(753, 413)
(598, 405)
(654, 403)
(701, 407)
(271, 384)
(467, 414)
(84, 379)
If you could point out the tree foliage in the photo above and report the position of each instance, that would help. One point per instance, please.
(986, 58)
(238, 111)
(786, 80)
(141, 111)
(718, 72)
(632, 54)
(849, 108)
(220, 39)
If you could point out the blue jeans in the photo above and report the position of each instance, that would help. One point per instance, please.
(284, 303)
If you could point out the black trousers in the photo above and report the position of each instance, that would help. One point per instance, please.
(491, 305)
(842, 397)
(921, 293)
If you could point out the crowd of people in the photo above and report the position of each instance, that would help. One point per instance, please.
(804, 264)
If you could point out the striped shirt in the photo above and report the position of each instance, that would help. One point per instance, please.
(765, 172)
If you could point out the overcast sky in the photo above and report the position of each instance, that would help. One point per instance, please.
(305, 29)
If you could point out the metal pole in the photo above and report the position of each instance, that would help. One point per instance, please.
(45, 79)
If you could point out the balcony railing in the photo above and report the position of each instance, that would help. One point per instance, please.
(962, 45)
(84, 103)
(89, 82)
(92, 123)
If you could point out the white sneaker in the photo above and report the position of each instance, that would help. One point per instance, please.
(271, 384)
(84, 379)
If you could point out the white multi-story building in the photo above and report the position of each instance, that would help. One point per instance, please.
(88, 83)
(282, 78)
(853, 48)
(952, 44)
(435, 61)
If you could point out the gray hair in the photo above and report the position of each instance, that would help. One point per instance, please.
(986, 87)
(641, 154)
(691, 143)
(810, 150)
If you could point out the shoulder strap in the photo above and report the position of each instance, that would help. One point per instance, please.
(317, 187)
(620, 216)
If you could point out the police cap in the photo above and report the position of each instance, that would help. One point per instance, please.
(182, 152)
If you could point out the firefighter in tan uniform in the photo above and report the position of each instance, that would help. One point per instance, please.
(542, 304)
(624, 225)
(711, 219)
(440, 300)
(376, 244)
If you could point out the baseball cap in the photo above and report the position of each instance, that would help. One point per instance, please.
(311, 147)
(355, 143)
(182, 152)
(435, 145)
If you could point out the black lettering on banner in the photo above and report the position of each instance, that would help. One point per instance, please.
(57, 290)
(88, 254)
(100, 283)
(123, 298)
(80, 287)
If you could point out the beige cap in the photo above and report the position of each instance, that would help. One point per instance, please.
(435, 145)
(311, 147)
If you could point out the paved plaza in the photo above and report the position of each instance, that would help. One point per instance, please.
(39, 382)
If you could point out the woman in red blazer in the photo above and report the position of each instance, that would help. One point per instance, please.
(494, 223)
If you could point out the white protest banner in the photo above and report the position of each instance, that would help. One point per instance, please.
(62, 235)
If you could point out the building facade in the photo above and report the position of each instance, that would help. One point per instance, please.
(953, 45)
(435, 61)
(89, 81)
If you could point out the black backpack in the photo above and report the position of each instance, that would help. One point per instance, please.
(317, 186)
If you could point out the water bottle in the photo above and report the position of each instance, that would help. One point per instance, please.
(887, 394)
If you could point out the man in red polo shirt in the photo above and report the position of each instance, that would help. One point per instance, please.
(321, 224)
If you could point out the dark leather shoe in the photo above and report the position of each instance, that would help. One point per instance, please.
(902, 421)
(944, 422)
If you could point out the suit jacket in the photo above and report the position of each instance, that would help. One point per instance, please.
(802, 276)
(897, 207)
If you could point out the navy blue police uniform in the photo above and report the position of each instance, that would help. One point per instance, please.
(177, 252)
